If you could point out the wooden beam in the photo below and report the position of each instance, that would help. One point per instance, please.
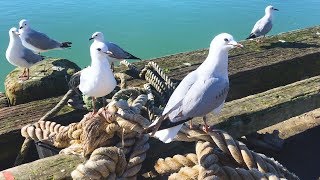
(250, 114)
(239, 117)
(258, 66)
(54, 167)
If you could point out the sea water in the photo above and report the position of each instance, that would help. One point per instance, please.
(146, 28)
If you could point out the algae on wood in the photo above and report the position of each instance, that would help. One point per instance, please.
(48, 78)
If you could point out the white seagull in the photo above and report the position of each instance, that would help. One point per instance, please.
(202, 91)
(96, 80)
(116, 53)
(37, 41)
(20, 56)
(264, 25)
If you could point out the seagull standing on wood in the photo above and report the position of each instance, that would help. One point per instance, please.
(37, 41)
(264, 25)
(96, 80)
(20, 56)
(202, 91)
(116, 53)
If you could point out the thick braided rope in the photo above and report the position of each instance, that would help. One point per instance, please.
(41, 130)
(186, 173)
(155, 81)
(156, 67)
(136, 158)
(122, 78)
(131, 67)
(174, 164)
(238, 151)
(104, 162)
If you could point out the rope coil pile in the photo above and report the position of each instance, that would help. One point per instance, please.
(112, 141)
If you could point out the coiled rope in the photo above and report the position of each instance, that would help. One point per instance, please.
(112, 140)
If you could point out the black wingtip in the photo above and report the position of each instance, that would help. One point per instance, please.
(133, 57)
(66, 44)
(251, 36)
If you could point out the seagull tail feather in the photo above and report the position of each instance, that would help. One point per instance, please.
(167, 135)
(251, 36)
(65, 44)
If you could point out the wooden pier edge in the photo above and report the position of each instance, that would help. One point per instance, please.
(263, 109)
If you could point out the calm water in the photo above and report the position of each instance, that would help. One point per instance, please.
(147, 28)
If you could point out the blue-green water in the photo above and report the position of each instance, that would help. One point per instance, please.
(147, 28)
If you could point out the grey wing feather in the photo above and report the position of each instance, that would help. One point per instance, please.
(31, 57)
(262, 27)
(179, 93)
(118, 52)
(41, 41)
(205, 96)
(74, 82)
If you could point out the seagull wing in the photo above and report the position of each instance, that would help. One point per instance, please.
(118, 52)
(40, 40)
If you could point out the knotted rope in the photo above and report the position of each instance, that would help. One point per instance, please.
(112, 140)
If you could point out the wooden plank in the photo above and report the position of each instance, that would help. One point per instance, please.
(258, 66)
(14, 117)
(239, 117)
(255, 112)
(54, 167)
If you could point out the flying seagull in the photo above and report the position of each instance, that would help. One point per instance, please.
(116, 53)
(264, 25)
(20, 56)
(96, 80)
(36, 41)
(202, 91)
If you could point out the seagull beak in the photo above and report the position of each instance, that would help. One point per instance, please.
(235, 44)
(276, 9)
(90, 39)
(109, 53)
(20, 27)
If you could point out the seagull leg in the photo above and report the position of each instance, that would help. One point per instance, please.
(94, 100)
(190, 124)
(28, 74)
(112, 66)
(206, 128)
(23, 74)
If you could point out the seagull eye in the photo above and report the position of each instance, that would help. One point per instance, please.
(99, 49)
(226, 39)
(25, 24)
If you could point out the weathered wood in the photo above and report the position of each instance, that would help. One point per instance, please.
(54, 167)
(255, 112)
(258, 66)
(239, 117)
(3, 100)
(14, 117)
(295, 125)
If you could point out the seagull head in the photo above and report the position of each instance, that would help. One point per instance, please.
(97, 36)
(23, 24)
(224, 41)
(269, 9)
(101, 51)
(13, 33)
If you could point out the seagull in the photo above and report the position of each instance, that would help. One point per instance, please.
(37, 41)
(202, 91)
(264, 25)
(116, 53)
(96, 80)
(20, 56)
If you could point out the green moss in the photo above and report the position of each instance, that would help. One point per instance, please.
(48, 78)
